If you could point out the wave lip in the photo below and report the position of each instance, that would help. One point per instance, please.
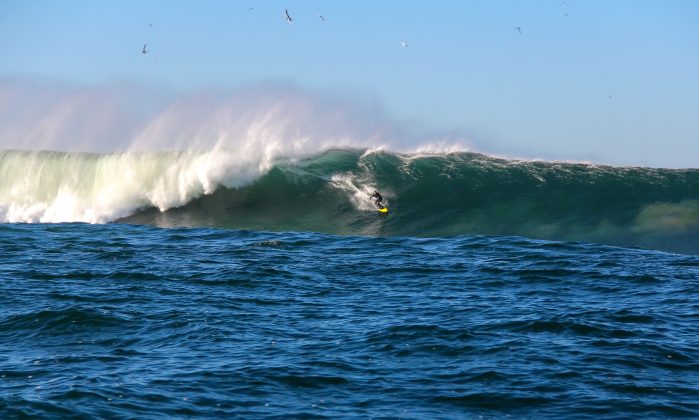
(54, 187)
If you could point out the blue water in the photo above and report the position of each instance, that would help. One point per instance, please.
(142, 322)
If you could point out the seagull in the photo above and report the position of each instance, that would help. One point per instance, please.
(288, 18)
(403, 44)
(566, 4)
(322, 17)
(144, 51)
(519, 29)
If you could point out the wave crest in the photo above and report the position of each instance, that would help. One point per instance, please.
(50, 187)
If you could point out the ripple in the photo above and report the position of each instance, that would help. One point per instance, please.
(137, 322)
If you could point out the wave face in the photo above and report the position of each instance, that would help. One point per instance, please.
(428, 194)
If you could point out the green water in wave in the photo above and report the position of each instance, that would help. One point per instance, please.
(458, 193)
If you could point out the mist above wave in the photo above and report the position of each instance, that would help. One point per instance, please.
(263, 120)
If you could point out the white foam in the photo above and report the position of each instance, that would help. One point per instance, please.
(357, 189)
(51, 187)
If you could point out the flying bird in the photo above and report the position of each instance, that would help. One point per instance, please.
(519, 29)
(403, 44)
(288, 18)
(321, 17)
(144, 51)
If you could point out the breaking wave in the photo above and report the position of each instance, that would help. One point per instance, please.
(429, 194)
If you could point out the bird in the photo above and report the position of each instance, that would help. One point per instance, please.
(403, 44)
(144, 51)
(566, 4)
(321, 17)
(288, 18)
(519, 29)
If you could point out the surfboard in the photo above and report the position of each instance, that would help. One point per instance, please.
(383, 210)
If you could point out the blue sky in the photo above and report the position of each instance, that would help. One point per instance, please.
(604, 81)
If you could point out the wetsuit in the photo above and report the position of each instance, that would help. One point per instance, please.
(378, 199)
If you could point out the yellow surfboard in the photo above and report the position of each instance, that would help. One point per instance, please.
(383, 210)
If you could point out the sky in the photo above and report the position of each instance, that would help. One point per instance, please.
(601, 81)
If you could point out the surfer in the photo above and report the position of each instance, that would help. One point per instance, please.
(378, 199)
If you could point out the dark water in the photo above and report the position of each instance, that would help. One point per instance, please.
(140, 322)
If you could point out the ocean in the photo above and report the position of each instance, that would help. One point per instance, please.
(180, 284)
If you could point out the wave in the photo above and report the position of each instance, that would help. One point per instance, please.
(429, 194)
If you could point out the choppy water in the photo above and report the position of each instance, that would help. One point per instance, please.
(141, 322)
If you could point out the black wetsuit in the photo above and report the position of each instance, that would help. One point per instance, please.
(378, 199)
